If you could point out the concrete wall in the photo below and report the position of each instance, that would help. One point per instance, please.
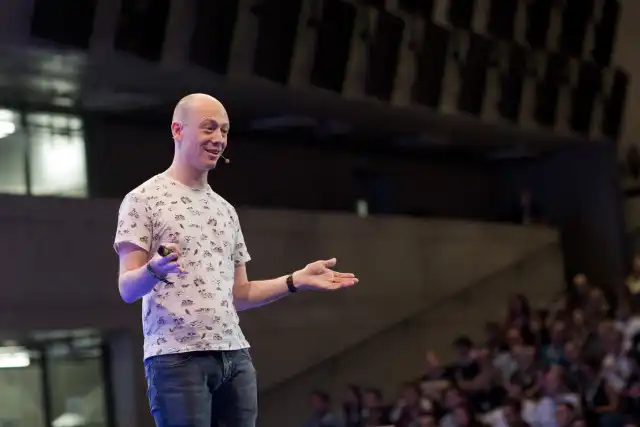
(61, 273)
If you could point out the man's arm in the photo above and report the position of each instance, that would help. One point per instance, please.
(134, 281)
(316, 276)
(249, 294)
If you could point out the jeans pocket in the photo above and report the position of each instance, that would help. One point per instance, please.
(174, 360)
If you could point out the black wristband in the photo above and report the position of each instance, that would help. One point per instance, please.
(290, 285)
(155, 276)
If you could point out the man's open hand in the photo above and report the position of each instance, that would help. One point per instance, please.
(319, 276)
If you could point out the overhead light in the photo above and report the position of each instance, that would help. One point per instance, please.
(14, 358)
(7, 128)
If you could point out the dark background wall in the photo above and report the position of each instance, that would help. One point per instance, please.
(575, 187)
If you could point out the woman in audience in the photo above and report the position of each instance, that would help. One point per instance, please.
(599, 397)
(554, 389)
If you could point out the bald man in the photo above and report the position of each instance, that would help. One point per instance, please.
(197, 362)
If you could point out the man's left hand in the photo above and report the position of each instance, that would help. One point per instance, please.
(319, 276)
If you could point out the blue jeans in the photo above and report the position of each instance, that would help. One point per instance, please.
(203, 389)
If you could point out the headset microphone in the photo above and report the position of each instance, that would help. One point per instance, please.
(227, 161)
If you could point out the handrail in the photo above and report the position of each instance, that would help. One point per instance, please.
(403, 323)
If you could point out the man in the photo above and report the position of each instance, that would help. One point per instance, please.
(197, 363)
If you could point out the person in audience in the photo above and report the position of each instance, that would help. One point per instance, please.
(519, 316)
(352, 406)
(633, 280)
(554, 390)
(628, 321)
(616, 365)
(375, 413)
(465, 367)
(579, 330)
(426, 419)
(465, 416)
(485, 390)
(600, 400)
(573, 364)
(540, 327)
(408, 407)
(578, 292)
(511, 412)
(553, 353)
(453, 397)
(565, 415)
(321, 415)
(630, 396)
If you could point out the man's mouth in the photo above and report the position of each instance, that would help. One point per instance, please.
(213, 151)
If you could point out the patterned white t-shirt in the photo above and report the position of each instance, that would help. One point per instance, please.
(196, 312)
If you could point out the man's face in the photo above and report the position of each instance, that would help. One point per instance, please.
(202, 134)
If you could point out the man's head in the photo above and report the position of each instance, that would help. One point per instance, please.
(200, 127)
(319, 401)
(511, 411)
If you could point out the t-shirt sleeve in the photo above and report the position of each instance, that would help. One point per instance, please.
(240, 253)
(134, 223)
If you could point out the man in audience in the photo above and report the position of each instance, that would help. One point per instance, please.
(321, 415)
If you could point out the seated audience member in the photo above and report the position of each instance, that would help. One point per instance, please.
(616, 366)
(519, 316)
(352, 406)
(375, 413)
(553, 353)
(465, 367)
(465, 416)
(628, 322)
(565, 415)
(633, 279)
(578, 292)
(600, 400)
(321, 411)
(540, 327)
(579, 331)
(573, 364)
(554, 390)
(515, 394)
(485, 391)
(453, 397)
(433, 369)
(408, 407)
(506, 360)
(511, 413)
(425, 419)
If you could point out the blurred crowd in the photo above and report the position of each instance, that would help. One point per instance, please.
(576, 364)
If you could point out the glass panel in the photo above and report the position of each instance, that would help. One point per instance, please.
(58, 158)
(13, 177)
(76, 383)
(20, 388)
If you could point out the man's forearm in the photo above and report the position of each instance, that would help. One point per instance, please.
(260, 292)
(135, 284)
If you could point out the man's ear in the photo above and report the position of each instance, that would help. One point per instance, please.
(176, 130)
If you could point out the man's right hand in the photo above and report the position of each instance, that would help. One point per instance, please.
(163, 265)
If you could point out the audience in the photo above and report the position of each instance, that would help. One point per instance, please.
(576, 365)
